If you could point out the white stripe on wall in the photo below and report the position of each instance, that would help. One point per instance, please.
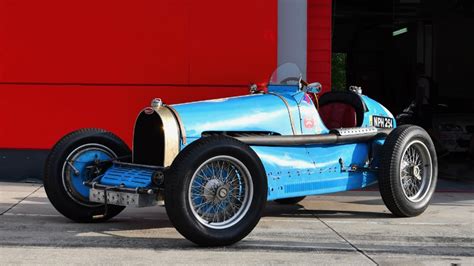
(292, 33)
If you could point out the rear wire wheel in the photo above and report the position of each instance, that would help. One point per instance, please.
(408, 171)
(215, 191)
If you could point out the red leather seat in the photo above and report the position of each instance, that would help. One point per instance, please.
(341, 109)
(337, 115)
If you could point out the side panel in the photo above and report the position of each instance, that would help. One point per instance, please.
(312, 170)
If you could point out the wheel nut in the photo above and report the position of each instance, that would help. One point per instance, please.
(222, 193)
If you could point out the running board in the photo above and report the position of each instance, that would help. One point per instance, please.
(337, 136)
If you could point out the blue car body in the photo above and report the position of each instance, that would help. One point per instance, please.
(292, 171)
(214, 164)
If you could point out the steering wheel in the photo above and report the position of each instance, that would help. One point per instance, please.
(285, 81)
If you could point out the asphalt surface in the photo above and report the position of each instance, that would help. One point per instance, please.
(351, 228)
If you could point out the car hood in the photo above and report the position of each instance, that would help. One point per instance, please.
(251, 113)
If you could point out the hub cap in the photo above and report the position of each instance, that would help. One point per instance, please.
(220, 192)
(79, 167)
(416, 171)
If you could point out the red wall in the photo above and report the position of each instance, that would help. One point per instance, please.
(319, 42)
(67, 65)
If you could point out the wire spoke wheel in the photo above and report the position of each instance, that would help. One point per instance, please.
(408, 171)
(216, 191)
(220, 192)
(416, 171)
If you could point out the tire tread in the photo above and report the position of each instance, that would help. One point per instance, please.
(66, 207)
(174, 182)
(389, 175)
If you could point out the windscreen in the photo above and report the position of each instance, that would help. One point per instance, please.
(286, 74)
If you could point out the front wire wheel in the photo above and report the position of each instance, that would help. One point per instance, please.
(220, 192)
(215, 191)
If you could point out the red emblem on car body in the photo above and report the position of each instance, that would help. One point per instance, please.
(308, 122)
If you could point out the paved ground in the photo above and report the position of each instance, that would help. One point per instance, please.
(345, 228)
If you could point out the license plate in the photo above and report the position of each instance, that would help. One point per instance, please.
(382, 122)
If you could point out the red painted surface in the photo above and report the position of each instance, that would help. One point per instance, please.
(35, 117)
(319, 42)
(68, 65)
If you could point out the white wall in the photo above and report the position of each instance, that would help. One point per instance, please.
(292, 33)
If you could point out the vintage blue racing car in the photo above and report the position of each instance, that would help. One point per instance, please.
(214, 164)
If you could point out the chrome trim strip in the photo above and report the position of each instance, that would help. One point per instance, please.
(289, 110)
(298, 140)
(171, 135)
(180, 123)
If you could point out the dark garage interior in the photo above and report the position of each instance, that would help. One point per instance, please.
(413, 51)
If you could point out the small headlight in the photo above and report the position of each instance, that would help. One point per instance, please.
(253, 88)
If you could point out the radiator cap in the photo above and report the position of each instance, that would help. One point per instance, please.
(156, 103)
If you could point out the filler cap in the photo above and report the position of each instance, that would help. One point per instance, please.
(156, 103)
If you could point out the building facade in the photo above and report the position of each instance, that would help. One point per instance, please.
(70, 65)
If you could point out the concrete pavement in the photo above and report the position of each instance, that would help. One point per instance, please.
(351, 228)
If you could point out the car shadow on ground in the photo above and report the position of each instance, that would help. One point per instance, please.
(129, 233)
(34, 222)
(299, 211)
(151, 229)
(158, 234)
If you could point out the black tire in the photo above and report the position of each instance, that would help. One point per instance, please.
(396, 198)
(290, 201)
(76, 209)
(178, 181)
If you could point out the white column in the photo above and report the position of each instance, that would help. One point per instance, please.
(292, 33)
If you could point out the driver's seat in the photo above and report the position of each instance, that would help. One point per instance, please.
(341, 109)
